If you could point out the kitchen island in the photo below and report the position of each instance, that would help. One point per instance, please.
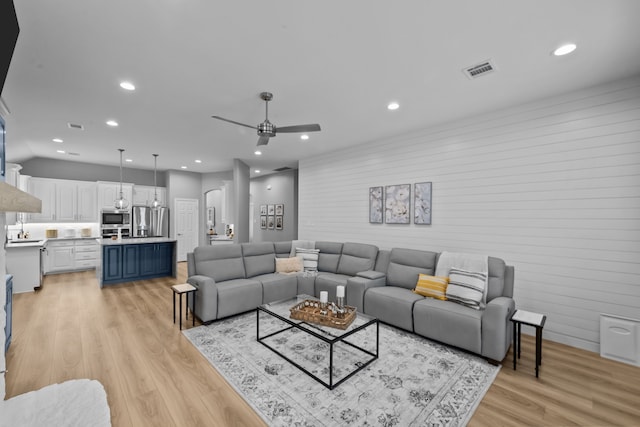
(127, 260)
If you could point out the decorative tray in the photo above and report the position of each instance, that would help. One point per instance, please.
(311, 311)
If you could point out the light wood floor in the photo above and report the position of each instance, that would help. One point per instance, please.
(124, 336)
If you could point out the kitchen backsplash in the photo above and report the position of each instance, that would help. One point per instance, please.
(68, 230)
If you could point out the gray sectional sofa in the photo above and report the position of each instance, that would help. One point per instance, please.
(235, 278)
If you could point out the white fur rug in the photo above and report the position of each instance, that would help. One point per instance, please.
(72, 403)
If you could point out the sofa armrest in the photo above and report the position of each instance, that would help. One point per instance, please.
(371, 274)
(357, 286)
(496, 327)
(207, 297)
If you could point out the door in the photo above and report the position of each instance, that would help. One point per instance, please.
(87, 202)
(45, 190)
(186, 226)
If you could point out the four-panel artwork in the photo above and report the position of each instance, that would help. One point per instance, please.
(392, 204)
(271, 217)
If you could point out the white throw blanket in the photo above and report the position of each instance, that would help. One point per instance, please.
(71, 403)
(464, 261)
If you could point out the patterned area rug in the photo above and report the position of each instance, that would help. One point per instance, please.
(413, 382)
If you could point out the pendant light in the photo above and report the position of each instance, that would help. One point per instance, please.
(155, 204)
(121, 203)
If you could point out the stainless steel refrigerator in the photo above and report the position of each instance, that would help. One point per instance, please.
(149, 222)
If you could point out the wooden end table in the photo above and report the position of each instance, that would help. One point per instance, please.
(522, 317)
(184, 288)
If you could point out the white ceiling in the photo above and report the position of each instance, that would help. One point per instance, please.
(336, 63)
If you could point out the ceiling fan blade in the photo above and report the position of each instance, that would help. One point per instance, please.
(263, 140)
(298, 128)
(235, 123)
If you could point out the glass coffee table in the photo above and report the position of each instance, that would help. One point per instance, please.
(328, 355)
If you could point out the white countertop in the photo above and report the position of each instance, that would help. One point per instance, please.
(135, 241)
(27, 243)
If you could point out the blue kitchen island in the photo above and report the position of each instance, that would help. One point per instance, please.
(133, 259)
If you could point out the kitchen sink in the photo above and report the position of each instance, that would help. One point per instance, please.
(25, 241)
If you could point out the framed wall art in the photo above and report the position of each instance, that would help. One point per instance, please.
(375, 205)
(397, 203)
(263, 209)
(279, 209)
(270, 210)
(270, 222)
(263, 221)
(422, 203)
(278, 222)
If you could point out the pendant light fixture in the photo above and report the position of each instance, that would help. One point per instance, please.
(121, 203)
(155, 204)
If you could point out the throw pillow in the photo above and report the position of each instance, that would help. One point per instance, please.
(466, 287)
(288, 265)
(432, 286)
(309, 258)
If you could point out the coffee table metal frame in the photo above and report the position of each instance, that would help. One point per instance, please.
(331, 336)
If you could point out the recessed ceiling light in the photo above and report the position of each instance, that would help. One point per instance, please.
(565, 49)
(112, 123)
(198, 161)
(60, 151)
(304, 137)
(128, 160)
(257, 171)
(57, 140)
(127, 86)
(183, 167)
(393, 106)
(257, 153)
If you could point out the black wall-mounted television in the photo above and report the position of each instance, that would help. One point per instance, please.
(9, 30)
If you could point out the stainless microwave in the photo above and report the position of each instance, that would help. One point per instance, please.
(115, 217)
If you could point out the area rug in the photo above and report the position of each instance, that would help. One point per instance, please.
(71, 403)
(413, 382)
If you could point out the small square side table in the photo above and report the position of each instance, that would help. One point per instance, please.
(522, 317)
(184, 288)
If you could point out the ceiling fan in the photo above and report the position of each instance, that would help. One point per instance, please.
(267, 129)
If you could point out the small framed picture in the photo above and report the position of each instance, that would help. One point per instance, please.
(422, 203)
(279, 222)
(263, 220)
(263, 209)
(270, 222)
(376, 205)
(279, 209)
(271, 210)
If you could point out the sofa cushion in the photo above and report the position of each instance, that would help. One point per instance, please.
(259, 258)
(357, 257)
(276, 287)
(432, 286)
(329, 282)
(237, 296)
(495, 285)
(283, 249)
(406, 264)
(309, 258)
(329, 256)
(467, 287)
(289, 265)
(391, 305)
(221, 263)
(448, 322)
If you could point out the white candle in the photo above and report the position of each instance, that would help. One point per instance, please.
(324, 296)
(340, 292)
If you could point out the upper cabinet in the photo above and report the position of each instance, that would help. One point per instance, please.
(143, 195)
(64, 200)
(109, 192)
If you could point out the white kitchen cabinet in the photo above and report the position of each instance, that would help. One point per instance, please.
(143, 195)
(66, 200)
(12, 177)
(109, 192)
(45, 190)
(87, 202)
(70, 255)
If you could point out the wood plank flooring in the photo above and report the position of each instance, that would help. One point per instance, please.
(124, 336)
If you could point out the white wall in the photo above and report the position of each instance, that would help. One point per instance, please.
(272, 189)
(552, 187)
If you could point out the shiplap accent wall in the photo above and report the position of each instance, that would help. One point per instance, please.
(552, 187)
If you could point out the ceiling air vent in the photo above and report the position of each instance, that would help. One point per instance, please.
(484, 68)
(73, 154)
(284, 168)
(75, 126)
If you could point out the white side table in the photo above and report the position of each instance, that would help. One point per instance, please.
(529, 318)
(184, 288)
